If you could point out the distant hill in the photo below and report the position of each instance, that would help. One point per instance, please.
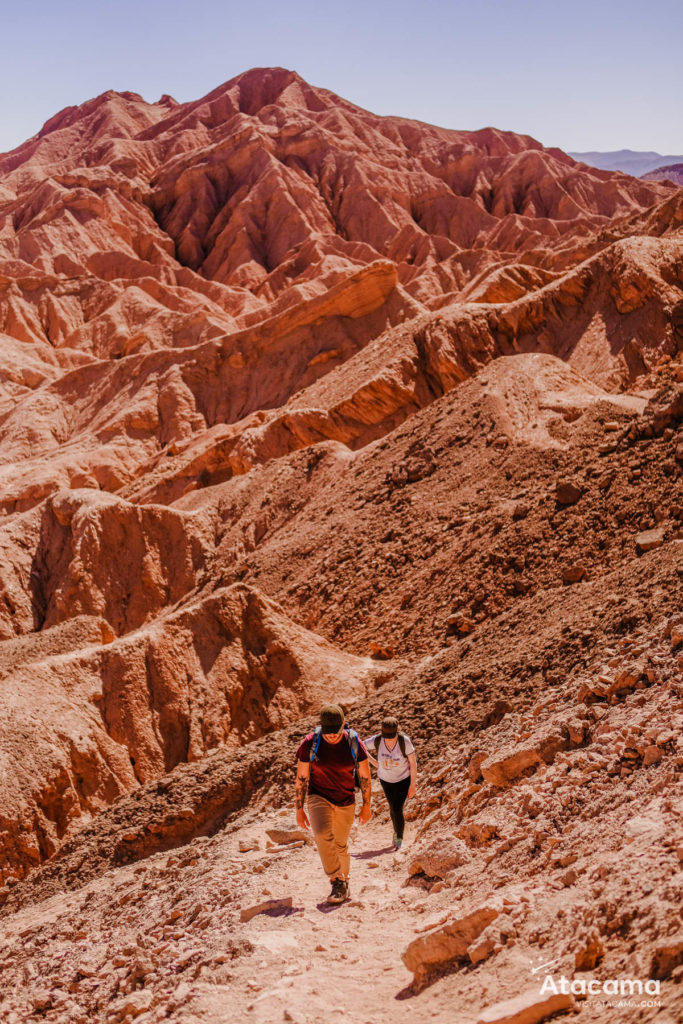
(627, 160)
(671, 172)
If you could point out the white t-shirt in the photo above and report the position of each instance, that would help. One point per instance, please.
(392, 766)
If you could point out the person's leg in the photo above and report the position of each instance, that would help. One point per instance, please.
(396, 793)
(321, 814)
(343, 820)
(400, 793)
(388, 788)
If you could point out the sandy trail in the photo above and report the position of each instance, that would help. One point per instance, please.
(174, 919)
(320, 962)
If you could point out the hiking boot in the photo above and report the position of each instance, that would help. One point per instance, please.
(398, 843)
(340, 891)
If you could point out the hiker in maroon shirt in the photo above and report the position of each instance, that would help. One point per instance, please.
(326, 762)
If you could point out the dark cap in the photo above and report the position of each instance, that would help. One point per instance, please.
(390, 727)
(331, 718)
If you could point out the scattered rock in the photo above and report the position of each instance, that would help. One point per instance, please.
(245, 845)
(447, 943)
(132, 1005)
(459, 623)
(510, 763)
(282, 836)
(668, 955)
(439, 858)
(590, 954)
(485, 944)
(528, 1008)
(267, 907)
(381, 652)
(567, 492)
(649, 539)
(652, 755)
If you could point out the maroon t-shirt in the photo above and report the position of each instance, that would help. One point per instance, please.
(332, 770)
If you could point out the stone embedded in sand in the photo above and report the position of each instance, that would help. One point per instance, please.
(283, 836)
(439, 858)
(668, 955)
(474, 766)
(485, 944)
(267, 907)
(675, 630)
(590, 954)
(132, 1005)
(514, 760)
(41, 1001)
(573, 573)
(567, 492)
(459, 624)
(649, 539)
(245, 845)
(502, 768)
(381, 652)
(448, 942)
(529, 1008)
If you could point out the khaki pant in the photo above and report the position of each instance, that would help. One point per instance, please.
(331, 826)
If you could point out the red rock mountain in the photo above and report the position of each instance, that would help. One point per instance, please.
(299, 402)
(670, 172)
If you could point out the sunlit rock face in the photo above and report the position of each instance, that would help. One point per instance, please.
(238, 336)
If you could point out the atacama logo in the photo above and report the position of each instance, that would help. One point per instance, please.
(595, 987)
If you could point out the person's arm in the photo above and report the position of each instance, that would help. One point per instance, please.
(371, 759)
(366, 791)
(412, 761)
(303, 771)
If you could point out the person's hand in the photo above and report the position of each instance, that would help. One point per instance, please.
(301, 819)
(412, 792)
(365, 814)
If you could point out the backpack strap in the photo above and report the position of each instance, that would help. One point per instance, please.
(352, 740)
(315, 744)
(401, 744)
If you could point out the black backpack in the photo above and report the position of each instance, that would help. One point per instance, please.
(352, 738)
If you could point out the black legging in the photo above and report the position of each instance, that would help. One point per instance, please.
(396, 793)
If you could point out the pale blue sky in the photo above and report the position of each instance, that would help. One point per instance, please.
(581, 75)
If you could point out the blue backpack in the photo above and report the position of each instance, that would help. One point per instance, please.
(352, 738)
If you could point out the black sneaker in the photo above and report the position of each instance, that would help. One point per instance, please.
(340, 891)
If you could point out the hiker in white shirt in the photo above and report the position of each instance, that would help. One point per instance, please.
(393, 754)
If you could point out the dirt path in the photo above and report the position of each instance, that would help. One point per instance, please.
(322, 963)
(163, 940)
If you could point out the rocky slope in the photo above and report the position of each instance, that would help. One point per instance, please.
(302, 403)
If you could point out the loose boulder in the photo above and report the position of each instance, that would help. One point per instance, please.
(447, 943)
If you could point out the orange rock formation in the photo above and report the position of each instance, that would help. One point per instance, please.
(300, 403)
